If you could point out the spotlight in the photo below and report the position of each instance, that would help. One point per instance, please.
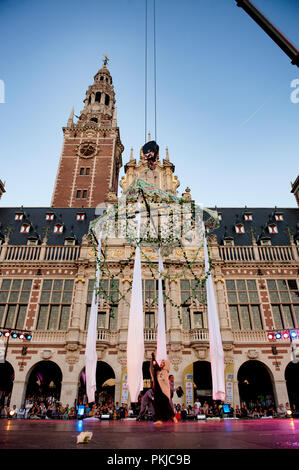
(289, 412)
(285, 335)
(270, 336)
(11, 413)
(7, 334)
(278, 336)
(1, 333)
(28, 337)
(293, 334)
(21, 336)
(14, 335)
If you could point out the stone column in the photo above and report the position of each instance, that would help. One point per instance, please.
(79, 301)
(18, 391)
(69, 390)
(280, 392)
(236, 394)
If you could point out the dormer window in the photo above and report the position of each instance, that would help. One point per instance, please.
(50, 216)
(228, 241)
(81, 216)
(265, 241)
(58, 228)
(32, 241)
(248, 216)
(69, 241)
(278, 216)
(239, 228)
(19, 216)
(272, 228)
(25, 228)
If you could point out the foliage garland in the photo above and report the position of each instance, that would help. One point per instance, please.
(148, 191)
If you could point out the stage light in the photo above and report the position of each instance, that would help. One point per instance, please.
(7, 334)
(285, 335)
(270, 336)
(1, 333)
(14, 335)
(293, 334)
(21, 336)
(11, 413)
(289, 412)
(278, 336)
(28, 337)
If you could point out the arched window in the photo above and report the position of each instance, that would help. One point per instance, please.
(98, 96)
(94, 119)
(107, 100)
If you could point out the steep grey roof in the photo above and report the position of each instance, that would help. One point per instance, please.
(36, 217)
(261, 217)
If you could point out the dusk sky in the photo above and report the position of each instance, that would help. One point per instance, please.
(224, 107)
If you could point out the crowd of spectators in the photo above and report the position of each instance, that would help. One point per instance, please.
(253, 410)
(50, 407)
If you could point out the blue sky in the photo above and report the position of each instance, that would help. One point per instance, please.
(223, 92)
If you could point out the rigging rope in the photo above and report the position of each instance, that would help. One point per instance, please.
(146, 70)
(145, 74)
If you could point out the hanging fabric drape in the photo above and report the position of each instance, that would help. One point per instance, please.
(216, 349)
(135, 342)
(91, 357)
(161, 333)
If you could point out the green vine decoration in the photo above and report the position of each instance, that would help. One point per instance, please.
(127, 215)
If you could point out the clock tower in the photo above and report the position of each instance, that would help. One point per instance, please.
(92, 150)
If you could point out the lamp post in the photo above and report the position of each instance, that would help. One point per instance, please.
(14, 333)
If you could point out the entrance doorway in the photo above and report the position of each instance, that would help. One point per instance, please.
(255, 384)
(292, 381)
(202, 378)
(105, 384)
(44, 381)
(7, 377)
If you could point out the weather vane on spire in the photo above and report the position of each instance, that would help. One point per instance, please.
(106, 60)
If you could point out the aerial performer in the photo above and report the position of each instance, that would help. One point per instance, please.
(162, 400)
(151, 153)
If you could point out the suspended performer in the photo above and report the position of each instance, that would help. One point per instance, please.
(151, 153)
(162, 401)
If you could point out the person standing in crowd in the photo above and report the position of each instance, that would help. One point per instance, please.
(146, 402)
(160, 378)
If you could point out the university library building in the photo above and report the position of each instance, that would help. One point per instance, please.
(47, 277)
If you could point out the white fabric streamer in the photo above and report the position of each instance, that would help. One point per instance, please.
(216, 349)
(161, 333)
(91, 357)
(135, 342)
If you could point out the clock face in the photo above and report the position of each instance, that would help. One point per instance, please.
(87, 150)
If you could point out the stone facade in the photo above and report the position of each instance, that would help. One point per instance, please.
(234, 266)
